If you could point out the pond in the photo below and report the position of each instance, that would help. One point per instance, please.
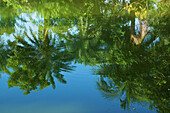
(85, 56)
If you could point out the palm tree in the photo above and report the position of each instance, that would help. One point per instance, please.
(114, 82)
(35, 62)
(86, 44)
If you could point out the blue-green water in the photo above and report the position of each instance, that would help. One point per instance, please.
(90, 56)
(79, 95)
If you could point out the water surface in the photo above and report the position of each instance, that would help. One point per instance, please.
(84, 57)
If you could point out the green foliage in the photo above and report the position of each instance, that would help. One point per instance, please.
(140, 73)
(7, 20)
(134, 73)
(3, 58)
(35, 64)
(160, 21)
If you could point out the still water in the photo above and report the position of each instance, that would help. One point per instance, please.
(91, 56)
(79, 95)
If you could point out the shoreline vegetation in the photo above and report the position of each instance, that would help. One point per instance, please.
(132, 57)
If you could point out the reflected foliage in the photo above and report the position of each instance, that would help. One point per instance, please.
(128, 42)
(7, 20)
(160, 21)
(3, 58)
(137, 75)
(37, 63)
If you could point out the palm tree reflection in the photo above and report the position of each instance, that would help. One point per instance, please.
(37, 61)
(134, 85)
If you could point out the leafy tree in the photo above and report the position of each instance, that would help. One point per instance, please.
(159, 20)
(7, 20)
(3, 58)
(136, 74)
(37, 61)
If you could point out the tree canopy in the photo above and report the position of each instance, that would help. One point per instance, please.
(128, 42)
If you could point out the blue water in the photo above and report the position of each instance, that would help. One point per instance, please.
(79, 95)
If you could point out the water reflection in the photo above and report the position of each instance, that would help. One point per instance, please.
(3, 58)
(120, 38)
(35, 64)
(7, 21)
(136, 74)
(131, 85)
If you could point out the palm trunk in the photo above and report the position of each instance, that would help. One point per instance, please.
(46, 38)
(132, 16)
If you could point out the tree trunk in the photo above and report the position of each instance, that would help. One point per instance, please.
(132, 16)
(46, 38)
